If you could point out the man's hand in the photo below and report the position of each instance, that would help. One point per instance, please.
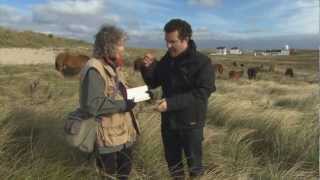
(148, 59)
(161, 105)
(150, 94)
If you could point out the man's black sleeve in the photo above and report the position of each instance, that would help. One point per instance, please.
(150, 75)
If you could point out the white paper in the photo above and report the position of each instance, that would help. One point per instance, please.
(138, 94)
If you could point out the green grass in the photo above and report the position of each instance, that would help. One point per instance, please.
(12, 38)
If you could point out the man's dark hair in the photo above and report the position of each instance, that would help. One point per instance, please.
(183, 28)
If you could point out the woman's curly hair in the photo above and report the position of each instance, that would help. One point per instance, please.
(106, 41)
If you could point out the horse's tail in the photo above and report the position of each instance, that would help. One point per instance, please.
(57, 65)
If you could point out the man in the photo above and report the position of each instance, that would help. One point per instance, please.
(103, 96)
(187, 79)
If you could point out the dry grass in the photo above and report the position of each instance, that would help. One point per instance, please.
(262, 129)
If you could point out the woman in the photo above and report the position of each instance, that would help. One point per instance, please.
(103, 95)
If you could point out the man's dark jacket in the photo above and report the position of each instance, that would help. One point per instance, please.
(187, 82)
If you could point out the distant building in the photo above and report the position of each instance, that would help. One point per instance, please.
(286, 47)
(235, 50)
(221, 50)
(275, 52)
(271, 52)
(258, 52)
(285, 51)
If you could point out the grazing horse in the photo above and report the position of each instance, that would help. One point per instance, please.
(252, 72)
(70, 64)
(289, 72)
(235, 74)
(234, 64)
(218, 68)
(138, 64)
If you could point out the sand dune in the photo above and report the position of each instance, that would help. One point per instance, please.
(12, 56)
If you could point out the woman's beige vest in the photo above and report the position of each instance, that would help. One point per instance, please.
(117, 128)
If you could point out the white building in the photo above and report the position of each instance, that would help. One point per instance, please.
(272, 52)
(285, 51)
(235, 50)
(277, 52)
(221, 51)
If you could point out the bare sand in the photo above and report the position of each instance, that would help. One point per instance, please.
(13, 56)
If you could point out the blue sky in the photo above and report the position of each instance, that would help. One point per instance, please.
(246, 23)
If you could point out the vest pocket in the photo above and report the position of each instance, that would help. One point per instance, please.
(113, 131)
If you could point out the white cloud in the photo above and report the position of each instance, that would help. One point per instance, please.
(112, 18)
(212, 20)
(298, 17)
(67, 11)
(73, 18)
(253, 5)
(72, 7)
(281, 18)
(154, 34)
(70, 18)
(78, 28)
(144, 20)
(9, 15)
(133, 6)
(204, 2)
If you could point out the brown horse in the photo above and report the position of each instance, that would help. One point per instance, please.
(289, 72)
(234, 64)
(138, 64)
(70, 64)
(218, 68)
(235, 74)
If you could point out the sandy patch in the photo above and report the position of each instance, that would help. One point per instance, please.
(13, 56)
